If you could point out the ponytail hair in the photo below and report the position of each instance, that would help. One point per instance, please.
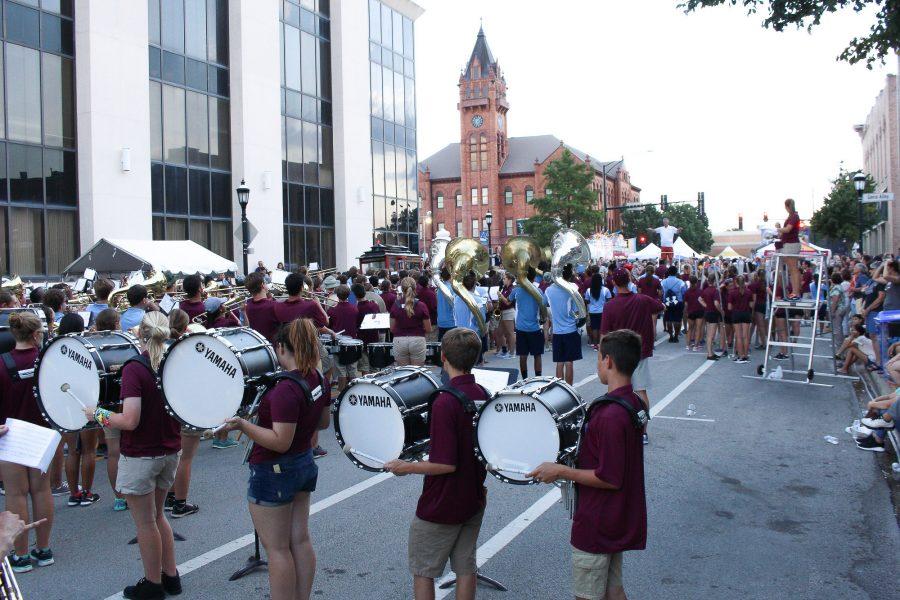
(741, 282)
(23, 325)
(408, 288)
(301, 338)
(154, 331)
(178, 322)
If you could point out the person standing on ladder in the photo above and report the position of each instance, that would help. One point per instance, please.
(790, 239)
(666, 240)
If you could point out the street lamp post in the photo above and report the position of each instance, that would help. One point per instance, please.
(488, 219)
(243, 194)
(859, 182)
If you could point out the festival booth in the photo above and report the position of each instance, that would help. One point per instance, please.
(174, 258)
(392, 258)
(729, 253)
(806, 249)
(651, 252)
(683, 251)
(607, 246)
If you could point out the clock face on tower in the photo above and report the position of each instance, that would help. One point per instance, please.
(477, 121)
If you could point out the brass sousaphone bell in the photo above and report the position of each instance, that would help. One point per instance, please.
(462, 256)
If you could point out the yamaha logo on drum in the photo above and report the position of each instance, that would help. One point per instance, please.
(498, 407)
(65, 349)
(515, 407)
(85, 362)
(216, 360)
(352, 399)
(200, 347)
(373, 401)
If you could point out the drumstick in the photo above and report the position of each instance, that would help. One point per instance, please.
(348, 451)
(67, 389)
(510, 470)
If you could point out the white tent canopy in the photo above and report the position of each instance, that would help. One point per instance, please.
(729, 252)
(176, 257)
(682, 250)
(651, 252)
(807, 248)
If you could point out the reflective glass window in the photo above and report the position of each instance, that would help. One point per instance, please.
(22, 24)
(59, 103)
(198, 193)
(59, 177)
(26, 182)
(174, 134)
(156, 134)
(172, 20)
(197, 129)
(220, 194)
(219, 134)
(26, 246)
(23, 94)
(217, 31)
(176, 190)
(195, 28)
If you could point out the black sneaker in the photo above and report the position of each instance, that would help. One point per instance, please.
(319, 452)
(182, 509)
(42, 558)
(74, 500)
(781, 356)
(144, 590)
(870, 444)
(713, 357)
(20, 564)
(172, 585)
(170, 502)
(88, 497)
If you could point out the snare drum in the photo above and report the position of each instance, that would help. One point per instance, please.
(383, 416)
(90, 363)
(528, 423)
(433, 354)
(349, 350)
(381, 354)
(208, 377)
(327, 343)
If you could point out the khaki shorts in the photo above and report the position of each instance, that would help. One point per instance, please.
(409, 350)
(363, 365)
(508, 315)
(139, 476)
(593, 574)
(348, 371)
(431, 544)
(112, 433)
(640, 379)
(326, 359)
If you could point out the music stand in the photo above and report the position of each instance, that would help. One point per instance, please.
(254, 562)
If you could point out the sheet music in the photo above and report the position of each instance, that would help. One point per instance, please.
(28, 444)
(376, 321)
(166, 304)
(313, 266)
(492, 381)
(90, 274)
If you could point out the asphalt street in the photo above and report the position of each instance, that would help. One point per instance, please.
(745, 500)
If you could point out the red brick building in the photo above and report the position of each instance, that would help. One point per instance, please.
(489, 171)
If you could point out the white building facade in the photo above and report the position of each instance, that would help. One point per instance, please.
(139, 119)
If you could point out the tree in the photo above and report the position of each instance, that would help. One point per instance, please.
(694, 228)
(568, 201)
(837, 218)
(882, 39)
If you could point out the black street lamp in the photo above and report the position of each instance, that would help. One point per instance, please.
(859, 182)
(243, 194)
(488, 219)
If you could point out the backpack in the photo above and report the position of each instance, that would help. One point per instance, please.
(671, 298)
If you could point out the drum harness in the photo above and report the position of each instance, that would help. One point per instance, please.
(639, 419)
(14, 373)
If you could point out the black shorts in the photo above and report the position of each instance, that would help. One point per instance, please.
(566, 347)
(741, 317)
(529, 343)
(674, 314)
(760, 308)
(697, 314)
(712, 317)
(780, 314)
(728, 319)
(596, 320)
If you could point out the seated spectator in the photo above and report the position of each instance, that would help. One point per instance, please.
(883, 412)
(859, 350)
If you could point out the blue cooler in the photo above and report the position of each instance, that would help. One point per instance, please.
(884, 319)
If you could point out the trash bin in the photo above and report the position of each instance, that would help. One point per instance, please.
(884, 319)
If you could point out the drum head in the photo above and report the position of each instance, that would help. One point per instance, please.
(370, 422)
(66, 360)
(202, 380)
(516, 432)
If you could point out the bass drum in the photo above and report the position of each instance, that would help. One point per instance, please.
(208, 377)
(90, 364)
(381, 354)
(531, 422)
(433, 354)
(382, 416)
(7, 341)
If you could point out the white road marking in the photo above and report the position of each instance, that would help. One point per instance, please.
(505, 536)
(586, 380)
(685, 419)
(657, 408)
(244, 541)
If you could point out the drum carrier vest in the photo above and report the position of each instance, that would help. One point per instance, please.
(14, 373)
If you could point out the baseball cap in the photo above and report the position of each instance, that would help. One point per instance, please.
(213, 303)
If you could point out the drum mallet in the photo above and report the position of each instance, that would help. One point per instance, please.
(67, 389)
(510, 470)
(348, 451)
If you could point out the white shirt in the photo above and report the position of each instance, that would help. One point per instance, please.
(865, 344)
(666, 235)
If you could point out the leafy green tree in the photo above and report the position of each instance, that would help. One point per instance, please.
(694, 228)
(837, 218)
(569, 201)
(882, 39)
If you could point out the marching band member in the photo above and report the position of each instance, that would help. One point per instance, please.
(596, 296)
(506, 335)
(673, 289)
(694, 312)
(566, 339)
(410, 322)
(463, 317)
(387, 294)
(451, 507)
(260, 308)
(343, 317)
(712, 307)
(139, 305)
(193, 301)
(102, 289)
(529, 337)
(17, 401)
(365, 306)
(150, 446)
(217, 316)
(108, 320)
(740, 301)
(611, 508)
(759, 289)
(445, 320)
(282, 471)
(55, 300)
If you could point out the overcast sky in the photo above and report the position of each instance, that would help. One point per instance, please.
(708, 102)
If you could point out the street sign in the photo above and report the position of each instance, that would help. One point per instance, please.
(872, 198)
(252, 232)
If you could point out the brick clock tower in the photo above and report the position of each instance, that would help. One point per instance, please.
(484, 143)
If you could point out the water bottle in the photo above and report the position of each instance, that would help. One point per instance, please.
(691, 410)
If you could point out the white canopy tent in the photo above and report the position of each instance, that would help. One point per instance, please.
(682, 250)
(806, 248)
(175, 257)
(729, 252)
(651, 252)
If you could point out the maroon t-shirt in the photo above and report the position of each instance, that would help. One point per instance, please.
(740, 302)
(157, 433)
(805, 279)
(261, 317)
(363, 308)
(661, 271)
(506, 291)
(226, 320)
(344, 316)
(456, 497)
(710, 295)
(725, 290)
(685, 276)
(409, 326)
(286, 403)
(610, 521)
(692, 300)
(17, 397)
(193, 308)
(294, 308)
(634, 312)
(389, 299)
(427, 295)
(793, 236)
(649, 286)
(758, 290)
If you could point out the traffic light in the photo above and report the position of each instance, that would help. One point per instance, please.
(642, 241)
(701, 204)
(664, 202)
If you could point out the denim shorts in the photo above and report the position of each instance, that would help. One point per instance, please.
(275, 483)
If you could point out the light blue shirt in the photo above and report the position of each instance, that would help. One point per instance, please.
(595, 306)
(132, 318)
(631, 288)
(527, 309)
(95, 309)
(561, 307)
(675, 284)
(463, 317)
(445, 312)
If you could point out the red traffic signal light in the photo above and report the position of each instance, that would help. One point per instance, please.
(642, 239)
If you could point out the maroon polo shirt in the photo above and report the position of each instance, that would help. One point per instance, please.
(725, 290)
(805, 279)
(286, 403)
(634, 312)
(758, 291)
(226, 320)
(692, 300)
(17, 397)
(610, 521)
(740, 301)
(343, 316)
(389, 299)
(649, 286)
(407, 326)
(427, 295)
(261, 317)
(363, 308)
(710, 295)
(157, 433)
(456, 497)
(793, 236)
(299, 308)
(194, 308)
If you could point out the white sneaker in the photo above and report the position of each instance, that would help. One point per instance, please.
(877, 423)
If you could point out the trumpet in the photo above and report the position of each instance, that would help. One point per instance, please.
(155, 284)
